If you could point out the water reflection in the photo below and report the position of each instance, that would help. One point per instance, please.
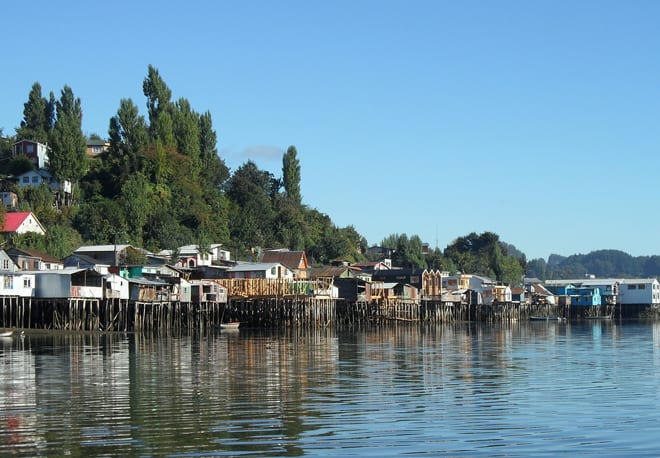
(583, 387)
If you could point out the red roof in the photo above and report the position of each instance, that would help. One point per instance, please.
(14, 220)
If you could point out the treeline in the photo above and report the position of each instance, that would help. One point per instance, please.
(162, 184)
(601, 263)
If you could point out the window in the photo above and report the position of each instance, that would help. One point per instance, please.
(26, 179)
(35, 179)
(27, 283)
(5, 264)
(632, 286)
(641, 286)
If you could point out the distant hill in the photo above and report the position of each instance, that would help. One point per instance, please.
(601, 263)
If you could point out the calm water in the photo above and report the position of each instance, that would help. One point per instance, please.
(590, 388)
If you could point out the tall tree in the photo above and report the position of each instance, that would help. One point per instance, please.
(128, 137)
(159, 106)
(186, 132)
(37, 117)
(214, 171)
(291, 174)
(68, 144)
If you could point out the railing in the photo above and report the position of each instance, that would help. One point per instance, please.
(259, 287)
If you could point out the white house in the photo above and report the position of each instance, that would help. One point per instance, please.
(190, 255)
(639, 291)
(115, 287)
(21, 284)
(269, 270)
(22, 222)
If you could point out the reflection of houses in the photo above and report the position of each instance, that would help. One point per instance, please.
(296, 261)
(273, 270)
(34, 260)
(20, 223)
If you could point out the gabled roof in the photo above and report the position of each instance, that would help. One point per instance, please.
(45, 257)
(291, 259)
(13, 221)
(329, 271)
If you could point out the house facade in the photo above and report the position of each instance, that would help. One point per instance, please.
(35, 151)
(639, 291)
(22, 222)
(27, 259)
(271, 271)
(296, 261)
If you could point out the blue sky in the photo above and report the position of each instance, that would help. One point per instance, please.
(536, 120)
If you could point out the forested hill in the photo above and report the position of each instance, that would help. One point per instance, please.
(162, 184)
(601, 263)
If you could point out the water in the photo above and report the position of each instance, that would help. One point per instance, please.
(521, 389)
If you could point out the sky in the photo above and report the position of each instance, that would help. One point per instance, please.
(536, 120)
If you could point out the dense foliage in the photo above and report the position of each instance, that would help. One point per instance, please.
(601, 263)
(162, 184)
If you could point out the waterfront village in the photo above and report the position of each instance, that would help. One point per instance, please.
(105, 288)
(95, 287)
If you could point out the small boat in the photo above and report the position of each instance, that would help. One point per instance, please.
(230, 325)
(6, 333)
(598, 317)
(546, 318)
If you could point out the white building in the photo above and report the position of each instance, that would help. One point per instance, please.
(270, 270)
(639, 291)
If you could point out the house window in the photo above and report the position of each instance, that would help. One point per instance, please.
(8, 282)
(642, 286)
(35, 179)
(29, 148)
(26, 179)
(273, 271)
(96, 149)
(632, 286)
(27, 283)
(26, 265)
(5, 264)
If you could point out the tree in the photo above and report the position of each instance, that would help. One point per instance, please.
(214, 171)
(159, 107)
(186, 134)
(68, 144)
(38, 117)
(291, 174)
(128, 136)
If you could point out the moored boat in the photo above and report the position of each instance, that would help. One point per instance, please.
(546, 318)
(230, 325)
(6, 333)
